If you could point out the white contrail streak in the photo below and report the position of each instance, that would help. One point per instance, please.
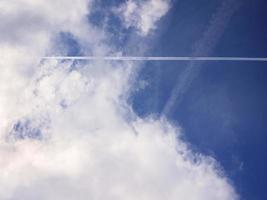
(136, 58)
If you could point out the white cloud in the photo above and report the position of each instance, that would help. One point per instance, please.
(89, 148)
(143, 15)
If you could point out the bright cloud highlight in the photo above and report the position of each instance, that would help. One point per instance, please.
(143, 15)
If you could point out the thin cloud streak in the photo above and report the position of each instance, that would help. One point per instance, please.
(137, 58)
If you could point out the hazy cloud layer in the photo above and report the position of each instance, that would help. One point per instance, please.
(66, 131)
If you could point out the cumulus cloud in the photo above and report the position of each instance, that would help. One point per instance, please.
(66, 130)
(143, 15)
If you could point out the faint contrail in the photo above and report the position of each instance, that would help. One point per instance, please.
(136, 58)
(204, 47)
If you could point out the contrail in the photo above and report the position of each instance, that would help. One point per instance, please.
(136, 58)
(205, 46)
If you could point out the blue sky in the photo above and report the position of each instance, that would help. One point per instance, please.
(223, 110)
(136, 129)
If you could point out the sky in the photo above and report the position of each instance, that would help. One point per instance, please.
(95, 129)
